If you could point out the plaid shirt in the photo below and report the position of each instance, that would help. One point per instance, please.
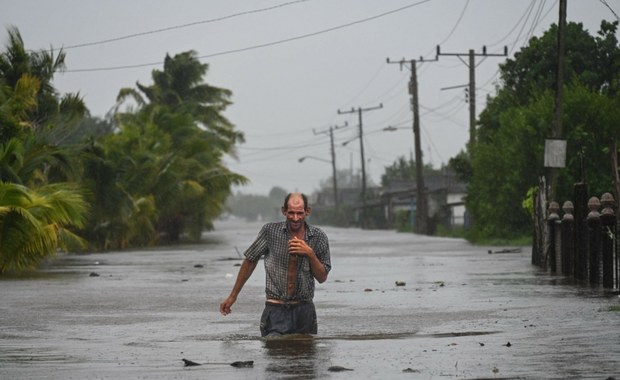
(272, 243)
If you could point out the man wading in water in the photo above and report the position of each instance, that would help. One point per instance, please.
(295, 254)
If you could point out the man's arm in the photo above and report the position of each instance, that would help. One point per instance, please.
(300, 247)
(247, 267)
(317, 268)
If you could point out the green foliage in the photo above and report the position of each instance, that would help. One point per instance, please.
(403, 222)
(528, 202)
(404, 170)
(33, 224)
(461, 165)
(37, 203)
(18, 64)
(149, 173)
(166, 159)
(509, 152)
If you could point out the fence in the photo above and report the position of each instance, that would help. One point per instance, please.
(582, 243)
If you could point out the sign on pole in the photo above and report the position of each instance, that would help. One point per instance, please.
(555, 153)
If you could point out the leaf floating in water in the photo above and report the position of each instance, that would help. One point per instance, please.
(337, 368)
(243, 364)
(189, 363)
(411, 370)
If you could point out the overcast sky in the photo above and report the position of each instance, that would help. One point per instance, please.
(291, 65)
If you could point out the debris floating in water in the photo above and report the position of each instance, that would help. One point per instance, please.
(237, 364)
(337, 368)
(411, 370)
(243, 364)
(506, 250)
(189, 363)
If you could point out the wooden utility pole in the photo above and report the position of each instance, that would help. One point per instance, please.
(333, 153)
(556, 132)
(421, 212)
(359, 111)
(472, 86)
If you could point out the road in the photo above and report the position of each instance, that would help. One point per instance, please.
(456, 312)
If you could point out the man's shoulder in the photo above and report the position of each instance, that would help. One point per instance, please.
(314, 230)
(274, 226)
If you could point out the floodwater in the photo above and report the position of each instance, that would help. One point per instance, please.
(461, 313)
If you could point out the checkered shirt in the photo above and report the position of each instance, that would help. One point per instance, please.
(272, 244)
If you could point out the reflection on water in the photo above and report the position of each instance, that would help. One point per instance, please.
(300, 356)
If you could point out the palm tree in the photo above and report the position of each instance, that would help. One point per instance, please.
(180, 87)
(34, 224)
(16, 61)
(180, 128)
(36, 203)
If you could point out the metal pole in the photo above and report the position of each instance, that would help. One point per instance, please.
(331, 138)
(421, 216)
(363, 169)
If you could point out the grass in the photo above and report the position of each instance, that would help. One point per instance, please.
(460, 232)
(614, 308)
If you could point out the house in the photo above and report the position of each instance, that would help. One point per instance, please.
(445, 197)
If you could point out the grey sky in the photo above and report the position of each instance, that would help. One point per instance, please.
(320, 56)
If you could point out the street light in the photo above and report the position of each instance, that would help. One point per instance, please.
(333, 162)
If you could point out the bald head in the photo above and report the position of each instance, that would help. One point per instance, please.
(296, 200)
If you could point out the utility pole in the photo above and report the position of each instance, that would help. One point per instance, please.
(421, 213)
(333, 152)
(359, 111)
(472, 85)
(556, 132)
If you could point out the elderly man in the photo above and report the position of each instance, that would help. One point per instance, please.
(295, 254)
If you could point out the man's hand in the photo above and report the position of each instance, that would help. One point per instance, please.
(225, 306)
(247, 267)
(299, 247)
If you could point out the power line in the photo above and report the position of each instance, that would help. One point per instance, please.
(458, 21)
(359, 111)
(612, 11)
(472, 84)
(134, 35)
(259, 46)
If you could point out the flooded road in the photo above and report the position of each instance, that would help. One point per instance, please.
(456, 312)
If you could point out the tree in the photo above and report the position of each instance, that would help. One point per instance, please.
(35, 115)
(39, 198)
(51, 110)
(513, 127)
(170, 148)
(404, 170)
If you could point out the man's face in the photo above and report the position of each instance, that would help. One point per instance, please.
(295, 213)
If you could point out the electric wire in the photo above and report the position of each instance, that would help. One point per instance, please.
(259, 46)
(612, 11)
(166, 29)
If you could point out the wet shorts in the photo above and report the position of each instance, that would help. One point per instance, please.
(280, 319)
